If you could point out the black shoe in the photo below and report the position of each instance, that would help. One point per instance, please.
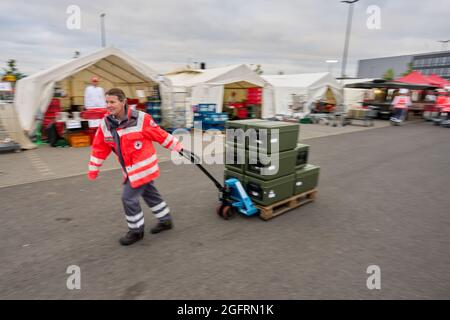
(161, 226)
(131, 237)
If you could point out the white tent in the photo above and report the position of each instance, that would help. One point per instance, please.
(209, 85)
(353, 97)
(111, 65)
(278, 94)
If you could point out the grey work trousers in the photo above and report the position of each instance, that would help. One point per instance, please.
(133, 211)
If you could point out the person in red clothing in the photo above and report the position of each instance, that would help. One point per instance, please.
(130, 135)
(444, 107)
(400, 105)
(442, 99)
(441, 96)
(94, 95)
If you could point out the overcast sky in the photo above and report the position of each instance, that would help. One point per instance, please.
(292, 36)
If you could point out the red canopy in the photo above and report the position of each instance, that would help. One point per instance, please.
(438, 81)
(415, 77)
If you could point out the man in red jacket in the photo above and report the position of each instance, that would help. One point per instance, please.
(130, 135)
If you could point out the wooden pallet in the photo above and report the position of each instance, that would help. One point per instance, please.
(283, 206)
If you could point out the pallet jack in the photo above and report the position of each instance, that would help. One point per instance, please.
(232, 196)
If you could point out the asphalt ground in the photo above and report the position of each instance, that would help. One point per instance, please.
(383, 200)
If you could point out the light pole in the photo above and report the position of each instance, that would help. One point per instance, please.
(347, 34)
(330, 65)
(102, 25)
(444, 44)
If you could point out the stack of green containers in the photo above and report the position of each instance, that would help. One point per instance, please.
(269, 175)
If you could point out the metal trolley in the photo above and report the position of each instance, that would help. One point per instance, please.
(333, 118)
(363, 117)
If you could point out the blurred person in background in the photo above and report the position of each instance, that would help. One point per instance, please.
(430, 97)
(94, 95)
(442, 98)
(401, 104)
(444, 106)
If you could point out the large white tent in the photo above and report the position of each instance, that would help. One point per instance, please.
(111, 65)
(209, 85)
(280, 90)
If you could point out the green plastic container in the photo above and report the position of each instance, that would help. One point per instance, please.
(268, 192)
(306, 178)
(269, 167)
(239, 124)
(306, 120)
(265, 139)
(235, 158)
(302, 155)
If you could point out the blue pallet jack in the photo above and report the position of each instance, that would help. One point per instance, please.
(232, 196)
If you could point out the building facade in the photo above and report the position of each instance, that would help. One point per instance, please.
(438, 63)
(375, 68)
(426, 63)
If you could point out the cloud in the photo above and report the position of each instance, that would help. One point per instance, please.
(284, 35)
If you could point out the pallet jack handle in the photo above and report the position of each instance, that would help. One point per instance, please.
(196, 160)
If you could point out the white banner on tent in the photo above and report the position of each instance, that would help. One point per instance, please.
(73, 124)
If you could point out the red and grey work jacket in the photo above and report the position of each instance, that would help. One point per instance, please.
(443, 103)
(132, 142)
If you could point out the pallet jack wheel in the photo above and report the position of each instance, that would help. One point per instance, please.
(226, 212)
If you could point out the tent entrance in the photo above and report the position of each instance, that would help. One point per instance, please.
(63, 123)
(326, 102)
(242, 100)
(112, 72)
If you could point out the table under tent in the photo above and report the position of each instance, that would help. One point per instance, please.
(211, 96)
(382, 93)
(56, 95)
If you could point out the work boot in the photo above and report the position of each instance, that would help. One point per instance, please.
(161, 226)
(131, 237)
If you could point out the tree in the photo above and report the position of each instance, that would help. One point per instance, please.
(410, 69)
(12, 70)
(280, 73)
(259, 70)
(389, 74)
